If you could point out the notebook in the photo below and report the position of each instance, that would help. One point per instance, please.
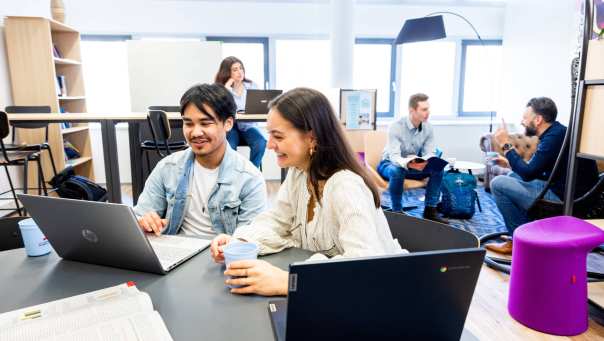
(119, 313)
(434, 164)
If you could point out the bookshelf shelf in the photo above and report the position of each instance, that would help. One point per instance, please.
(60, 27)
(78, 161)
(71, 98)
(67, 131)
(39, 51)
(63, 61)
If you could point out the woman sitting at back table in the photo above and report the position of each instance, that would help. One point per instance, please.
(327, 204)
(231, 74)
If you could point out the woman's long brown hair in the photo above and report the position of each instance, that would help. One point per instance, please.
(224, 71)
(309, 110)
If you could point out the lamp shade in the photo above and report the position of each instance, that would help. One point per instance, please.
(422, 29)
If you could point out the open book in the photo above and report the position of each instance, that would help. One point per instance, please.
(119, 313)
(435, 164)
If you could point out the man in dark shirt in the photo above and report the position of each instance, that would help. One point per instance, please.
(515, 192)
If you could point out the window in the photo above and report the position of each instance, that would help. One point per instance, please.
(374, 69)
(302, 63)
(253, 52)
(480, 79)
(428, 67)
(105, 68)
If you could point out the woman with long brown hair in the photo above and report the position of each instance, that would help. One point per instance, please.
(328, 203)
(231, 74)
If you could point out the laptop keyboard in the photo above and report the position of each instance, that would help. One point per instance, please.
(170, 255)
(171, 250)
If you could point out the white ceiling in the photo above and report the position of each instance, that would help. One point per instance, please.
(489, 3)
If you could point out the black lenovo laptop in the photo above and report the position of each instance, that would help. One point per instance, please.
(416, 296)
(256, 101)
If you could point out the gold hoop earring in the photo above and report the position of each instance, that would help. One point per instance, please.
(311, 151)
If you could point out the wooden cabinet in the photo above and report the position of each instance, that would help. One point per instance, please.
(39, 50)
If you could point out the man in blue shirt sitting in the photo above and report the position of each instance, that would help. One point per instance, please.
(407, 138)
(515, 192)
(208, 188)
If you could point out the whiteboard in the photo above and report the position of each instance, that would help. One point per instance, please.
(161, 71)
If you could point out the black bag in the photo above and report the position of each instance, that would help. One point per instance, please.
(73, 186)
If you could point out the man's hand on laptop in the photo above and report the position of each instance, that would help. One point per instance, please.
(152, 223)
(216, 247)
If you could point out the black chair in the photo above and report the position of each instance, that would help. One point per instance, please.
(590, 205)
(159, 126)
(10, 234)
(29, 125)
(19, 158)
(417, 235)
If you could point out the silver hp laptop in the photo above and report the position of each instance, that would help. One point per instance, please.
(256, 101)
(416, 296)
(107, 234)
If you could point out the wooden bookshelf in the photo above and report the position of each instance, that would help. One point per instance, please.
(34, 67)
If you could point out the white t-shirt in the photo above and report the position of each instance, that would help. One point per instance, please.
(197, 218)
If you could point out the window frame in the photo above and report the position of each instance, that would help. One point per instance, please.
(462, 75)
(385, 115)
(106, 37)
(249, 40)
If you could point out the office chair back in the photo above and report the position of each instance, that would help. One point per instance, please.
(10, 235)
(22, 109)
(4, 130)
(160, 130)
(416, 235)
(166, 108)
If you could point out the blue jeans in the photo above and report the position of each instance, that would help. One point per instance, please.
(253, 137)
(396, 175)
(515, 196)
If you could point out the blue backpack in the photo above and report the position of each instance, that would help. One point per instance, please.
(459, 196)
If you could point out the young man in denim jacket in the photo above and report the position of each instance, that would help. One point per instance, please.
(208, 188)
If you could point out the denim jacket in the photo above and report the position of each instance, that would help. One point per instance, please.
(237, 197)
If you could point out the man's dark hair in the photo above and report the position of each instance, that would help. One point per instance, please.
(415, 99)
(545, 107)
(215, 96)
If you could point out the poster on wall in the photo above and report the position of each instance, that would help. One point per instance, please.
(357, 109)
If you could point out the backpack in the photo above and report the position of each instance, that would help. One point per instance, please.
(73, 186)
(459, 196)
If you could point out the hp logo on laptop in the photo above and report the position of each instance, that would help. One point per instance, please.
(90, 236)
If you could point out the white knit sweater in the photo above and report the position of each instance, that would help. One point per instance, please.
(346, 223)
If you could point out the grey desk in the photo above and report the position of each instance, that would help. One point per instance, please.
(192, 299)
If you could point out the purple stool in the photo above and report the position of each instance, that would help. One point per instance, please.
(548, 285)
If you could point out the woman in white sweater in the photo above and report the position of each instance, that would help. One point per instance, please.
(328, 203)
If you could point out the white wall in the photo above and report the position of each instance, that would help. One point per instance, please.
(538, 42)
(261, 18)
(195, 18)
